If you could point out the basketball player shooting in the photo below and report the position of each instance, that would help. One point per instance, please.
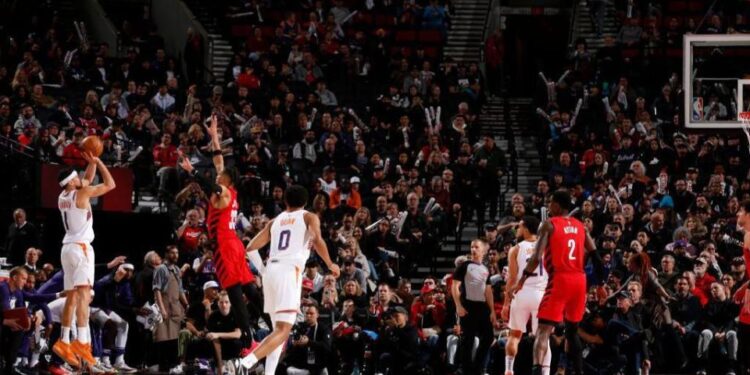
(291, 235)
(229, 255)
(77, 256)
(561, 242)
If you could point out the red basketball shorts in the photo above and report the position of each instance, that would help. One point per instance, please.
(231, 266)
(565, 298)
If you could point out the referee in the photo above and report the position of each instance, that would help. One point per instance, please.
(472, 293)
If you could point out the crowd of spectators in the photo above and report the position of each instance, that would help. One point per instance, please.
(388, 143)
(385, 138)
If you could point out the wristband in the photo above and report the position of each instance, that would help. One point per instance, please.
(216, 153)
(528, 274)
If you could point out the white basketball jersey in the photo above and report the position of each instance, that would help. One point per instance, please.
(525, 251)
(289, 239)
(78, 222)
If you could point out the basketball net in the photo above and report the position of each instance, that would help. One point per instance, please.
(745, 119)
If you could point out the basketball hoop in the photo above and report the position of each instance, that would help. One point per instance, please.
(744, 117)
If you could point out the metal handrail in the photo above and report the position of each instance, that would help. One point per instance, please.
(572, 31)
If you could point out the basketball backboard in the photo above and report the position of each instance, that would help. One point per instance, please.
(716, 79)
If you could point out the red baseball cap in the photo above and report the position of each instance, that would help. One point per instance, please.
(307, 284)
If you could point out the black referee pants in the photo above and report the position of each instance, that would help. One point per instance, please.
(476, 323)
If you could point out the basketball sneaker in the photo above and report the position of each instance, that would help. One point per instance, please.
(84, 351)
(65, 352)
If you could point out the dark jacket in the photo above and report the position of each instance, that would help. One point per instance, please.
(402, 345)
(111, 295)
(319, 342)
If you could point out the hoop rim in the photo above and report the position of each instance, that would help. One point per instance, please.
(744, 116)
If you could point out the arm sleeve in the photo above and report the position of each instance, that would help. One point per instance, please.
(104, 281)
(206, 185)
(39, 298)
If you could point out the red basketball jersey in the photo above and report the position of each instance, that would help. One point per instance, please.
(221, 222)
(229, 255)
(565, 251)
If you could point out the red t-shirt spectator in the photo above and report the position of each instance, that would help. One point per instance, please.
(701, 295)
(24, 139)
(190, 236)
(704, 283)
(72, 156)
(249, 80)
(165, 156)
(419, 311)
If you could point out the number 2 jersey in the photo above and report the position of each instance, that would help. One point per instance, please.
(229, 254)
(565, 251)
(290, 241)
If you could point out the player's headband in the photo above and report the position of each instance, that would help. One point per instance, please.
(70, 177)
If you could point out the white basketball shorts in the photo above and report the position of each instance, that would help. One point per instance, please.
(78, 265)
(282, 288)
(525, 306)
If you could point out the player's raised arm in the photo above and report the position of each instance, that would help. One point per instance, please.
(213, 132)
(100, 189)
(88, 175)
(208, 187)
(318, 244)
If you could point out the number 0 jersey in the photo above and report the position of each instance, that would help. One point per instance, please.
(78, 222)
(289, 239)
(566, 243)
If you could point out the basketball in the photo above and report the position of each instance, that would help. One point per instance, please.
(92, 144)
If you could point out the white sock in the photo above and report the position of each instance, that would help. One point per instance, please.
(83, 335)
(38, 333)
(272, 360)
(546, 360)
(509, 364)
(34, 359)
(65, 335)
(545, 370)
(120, 359)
